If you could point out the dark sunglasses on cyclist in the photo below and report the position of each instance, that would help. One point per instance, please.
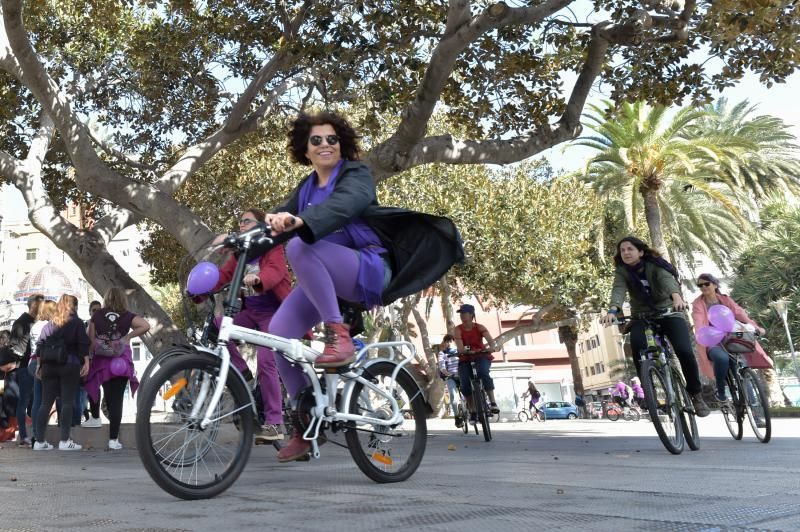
(703, 285)
(316, 140)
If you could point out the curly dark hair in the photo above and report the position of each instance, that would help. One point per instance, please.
(301, 130)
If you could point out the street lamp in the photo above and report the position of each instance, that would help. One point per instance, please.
(781, 306)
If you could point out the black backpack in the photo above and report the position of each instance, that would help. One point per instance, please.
(53, 350)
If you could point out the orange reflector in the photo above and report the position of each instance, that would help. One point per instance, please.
(382, 458)
(176, 387)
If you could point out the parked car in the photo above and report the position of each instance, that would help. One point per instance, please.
(560, 410)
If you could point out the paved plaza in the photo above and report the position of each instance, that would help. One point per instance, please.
(559, 475)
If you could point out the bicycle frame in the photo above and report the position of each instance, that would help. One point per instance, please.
(325, 409)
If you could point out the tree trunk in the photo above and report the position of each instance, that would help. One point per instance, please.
(653, 216)
(568, 336)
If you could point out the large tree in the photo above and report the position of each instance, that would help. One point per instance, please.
(121, 103)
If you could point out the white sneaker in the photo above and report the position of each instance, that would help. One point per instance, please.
(42, 446)
(68, 445)
(114, 445)
(92, 423)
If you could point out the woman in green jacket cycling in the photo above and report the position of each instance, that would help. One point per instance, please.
(651, 283)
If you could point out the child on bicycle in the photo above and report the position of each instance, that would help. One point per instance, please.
(448, 370)
(469, 338)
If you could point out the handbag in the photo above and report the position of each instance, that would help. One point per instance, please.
(53, 350)
(740, 342)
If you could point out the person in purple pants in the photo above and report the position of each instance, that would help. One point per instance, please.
(266, 285)
(348, 248)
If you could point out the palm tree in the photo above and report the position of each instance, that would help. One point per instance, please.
(771, 163)
(667, 170)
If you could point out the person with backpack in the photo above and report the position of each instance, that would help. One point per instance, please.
(111, 330)
(9, 390)
(63, 352)
(21, 344)
(651, 283)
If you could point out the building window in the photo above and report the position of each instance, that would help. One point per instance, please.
(587, 370)
(520, 340)
(597, 368)
(30, 254)
(592, 370)
(136, 351)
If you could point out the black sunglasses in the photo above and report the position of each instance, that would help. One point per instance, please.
(316, 140)
(703, 285)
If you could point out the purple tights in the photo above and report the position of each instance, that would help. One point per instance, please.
(324, 270)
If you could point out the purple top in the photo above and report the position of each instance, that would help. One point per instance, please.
(355, 235)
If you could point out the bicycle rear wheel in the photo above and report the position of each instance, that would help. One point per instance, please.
(383, 453)
(754, 395)
(462, 411)
(664, 412)
(184, 459)
(482, 412)
(733, 413)
(689, 419)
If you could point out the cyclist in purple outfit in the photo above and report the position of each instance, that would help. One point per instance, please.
(348, 248)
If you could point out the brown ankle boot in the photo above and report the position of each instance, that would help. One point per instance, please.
(339, 350)
(297, 447)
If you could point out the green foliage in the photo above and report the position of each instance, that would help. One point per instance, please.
(769, 269)
(528, 238)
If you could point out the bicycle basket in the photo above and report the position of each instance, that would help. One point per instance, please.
(740, 342)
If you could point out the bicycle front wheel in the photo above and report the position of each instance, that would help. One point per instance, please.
(155, 364)
(387, 453)
(733, 413)
(482, 412)
(663, 410)
(523, 415)
(634, 415)
(754, 395)
(612, 414)
(689, 419)
(184, 459)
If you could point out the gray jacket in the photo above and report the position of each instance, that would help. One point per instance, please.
(662, 286)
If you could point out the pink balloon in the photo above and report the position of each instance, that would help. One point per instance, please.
(119, 366)
(709, 336)
(722, 318)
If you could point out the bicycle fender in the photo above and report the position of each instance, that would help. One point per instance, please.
(197, 349)
(347, 391)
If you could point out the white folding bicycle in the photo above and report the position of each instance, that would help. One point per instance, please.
(195, 418)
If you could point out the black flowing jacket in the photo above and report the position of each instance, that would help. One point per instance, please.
(422, 247)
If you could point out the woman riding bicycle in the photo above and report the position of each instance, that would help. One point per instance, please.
(349, 248)
(267, 283)
(710, 295)
(651, 284)
(469, 337)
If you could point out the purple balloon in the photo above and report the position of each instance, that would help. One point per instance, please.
(709, 336)
(722, 318)
(203, 278)
(119, 366)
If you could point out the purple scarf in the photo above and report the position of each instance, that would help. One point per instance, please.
(371, 267)
(633, 275)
